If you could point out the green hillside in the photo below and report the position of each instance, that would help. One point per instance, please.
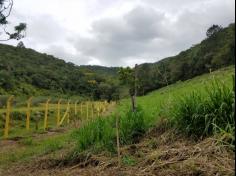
(101, 70)
(216, 51)
(27, 72)
(160, 101)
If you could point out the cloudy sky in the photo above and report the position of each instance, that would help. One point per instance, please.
(118, 32)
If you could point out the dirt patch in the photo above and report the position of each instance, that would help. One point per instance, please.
(8, 145)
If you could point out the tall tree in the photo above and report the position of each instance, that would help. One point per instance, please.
(5, 11)
(128, 77)
(213, 30)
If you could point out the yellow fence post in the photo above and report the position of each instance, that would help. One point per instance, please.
(66, 113)
(91, 110)
(87, 114)
(98, 109)
(58, 112)
(81, 109)
(7, 120)
(103, 107)
(76, 107)
(46, 115)
(28, 113)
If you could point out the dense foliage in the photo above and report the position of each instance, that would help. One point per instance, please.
(26, 72)
(216, 51)
(5, 11)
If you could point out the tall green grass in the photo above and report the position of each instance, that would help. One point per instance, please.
(207, 113)
(100, 134)
(132, 126)
(95, 135)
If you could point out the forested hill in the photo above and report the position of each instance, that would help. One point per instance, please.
(27, 72)
(105, 71)
(216, 51)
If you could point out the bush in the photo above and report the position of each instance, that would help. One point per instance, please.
(201, 115)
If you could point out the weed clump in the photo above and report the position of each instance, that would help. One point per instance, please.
(100, 134)
(203, 114)
(132, 126)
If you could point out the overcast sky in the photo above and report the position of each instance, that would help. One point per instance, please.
(118, 32)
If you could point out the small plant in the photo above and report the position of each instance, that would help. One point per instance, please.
(128, 160)
(51, 146)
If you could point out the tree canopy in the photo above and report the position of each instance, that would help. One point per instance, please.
(213, 30)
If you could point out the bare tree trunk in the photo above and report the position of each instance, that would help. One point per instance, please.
(133, 97)
(118, 140)
(133, 103)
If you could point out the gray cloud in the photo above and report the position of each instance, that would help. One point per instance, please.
(148, 34)
(114, 40)
(65, 54)
(45, 29)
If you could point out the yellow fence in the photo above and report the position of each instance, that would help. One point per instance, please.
(87, 110)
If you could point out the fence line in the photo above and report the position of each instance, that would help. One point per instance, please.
(89, 108)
